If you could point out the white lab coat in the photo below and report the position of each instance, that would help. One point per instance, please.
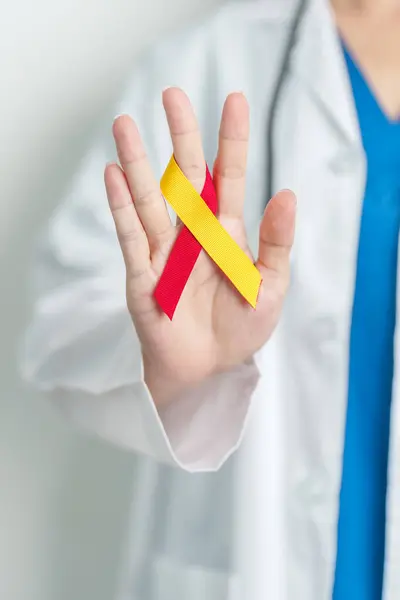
(263, 526)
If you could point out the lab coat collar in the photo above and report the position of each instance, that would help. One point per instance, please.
(319, 63)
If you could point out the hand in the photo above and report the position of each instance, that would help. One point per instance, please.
(213, 328)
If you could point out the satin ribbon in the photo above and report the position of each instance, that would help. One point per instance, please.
(201, 229)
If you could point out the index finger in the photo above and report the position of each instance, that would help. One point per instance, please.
(144, 188)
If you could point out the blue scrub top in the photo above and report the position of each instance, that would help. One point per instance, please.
(362, 515)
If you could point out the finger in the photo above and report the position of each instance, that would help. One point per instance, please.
(145, 190)
(185, 136)
(131, 235)
(277, 234)
(230, 165)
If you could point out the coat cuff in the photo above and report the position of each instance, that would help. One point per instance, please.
(197, 432)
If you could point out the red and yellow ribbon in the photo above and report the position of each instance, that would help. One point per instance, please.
(201, 229)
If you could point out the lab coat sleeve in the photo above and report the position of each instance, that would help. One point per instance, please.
(81, 347)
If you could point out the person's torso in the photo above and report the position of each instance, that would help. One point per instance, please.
(265, 526)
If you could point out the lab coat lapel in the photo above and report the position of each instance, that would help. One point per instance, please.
(318, 62)
(324, 164)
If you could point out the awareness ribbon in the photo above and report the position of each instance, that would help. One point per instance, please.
(201, 229)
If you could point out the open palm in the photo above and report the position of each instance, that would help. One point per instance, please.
(213, 328)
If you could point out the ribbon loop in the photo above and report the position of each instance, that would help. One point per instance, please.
(201, 230)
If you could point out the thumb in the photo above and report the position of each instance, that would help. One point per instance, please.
(277, 233)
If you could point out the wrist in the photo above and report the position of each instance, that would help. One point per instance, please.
(163, 389)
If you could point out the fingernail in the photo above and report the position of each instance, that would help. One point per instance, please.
(118, 116)
(291, 192)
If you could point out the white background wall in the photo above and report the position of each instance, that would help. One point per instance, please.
(63, 499)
